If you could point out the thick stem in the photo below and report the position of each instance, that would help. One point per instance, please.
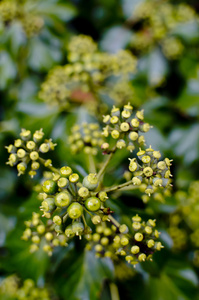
(115, 222)
(114, 291)
(102, 170)
(42, 161)
(117, 187)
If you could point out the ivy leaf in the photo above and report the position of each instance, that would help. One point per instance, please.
(84, 276)
(7, 69)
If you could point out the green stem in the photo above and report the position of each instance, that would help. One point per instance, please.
(101, 172)
(65, 217)
(114, 291)
(42, 161)
(117, 187)
(91, 164)
(115, 222)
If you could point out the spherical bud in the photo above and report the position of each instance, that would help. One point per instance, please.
(11, 148)
(133, 136)
(99, 229)
(98, 248)
(38, 136)
(135, 123)
(114, 120)
(18, 143)
(148, 229)
(161, 165)
(21, 153)
(136, 218)
(130, 147)
(124, 241)
(136, 181)
(148, 172)
(48, 249)
(120, 144)
(149, 190)
(74, 178)
(49, 236)
(156, 154)
(93, 204)
(140, 115)
(55, 242)
(66, 171)
(142, 257)
(106, 119)
(96, 220)
(133, 165)
(145, 127)
(124, 126)
(158, 246)
(30, 145)
(96, 237)
(135, 249)
(78, 228)
(129, 258)
(34, 155)
(41, 229)
(150, 243)
(35, 165)
(123, 228)
(141, 140)
(49, 187)
(21, 168)
(68, 231)
(90, 181)
(75, 210)
(146, 159)
(115, 134)
(58, 228)
(107, 231)
(63, 199)
(128, 107)
(136, 225)
(44, 148)
(105, 146)
(104, 241)
(126, 114)
(102, 196)
(157, 182)
(33, 248)
(48, 205)
(138, 237)
(57, 220)
(83, 192)
(62, 182)
(48, 163)
(115, 111)
(25, 134)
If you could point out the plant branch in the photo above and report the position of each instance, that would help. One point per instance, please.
(42, 161)
(114, 291)
(118, 187)
(102, 170)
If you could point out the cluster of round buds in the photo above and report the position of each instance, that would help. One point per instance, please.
(152, 173)
(86, 137)
(172, 48)
(28, 149)
(42, 235)
(125, 128)
(136, 246)
(86, 75)
(14, 10)
(12, 288)
(66, 201)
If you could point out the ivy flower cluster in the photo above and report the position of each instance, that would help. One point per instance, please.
(21, 11)
(12, 288)
(28, 149)
(159, 19)
(124, 128)
(72, 204)
(184, 223)
(87, 76)
(137, 246)
(86, 137)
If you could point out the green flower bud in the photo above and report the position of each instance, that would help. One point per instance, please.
(133, 165)
(41, 229)
(58, 228)
(123, 228)
(148, 172)
(124, 241)
(49, 187)
(96, 220)
(150, 243)
(133, 136)
(74, 178)
(25, 134)
(49, 236)
(124, 126)
(62, 182)
(135, 123)
(30, 145)
(21, 153)
(18, 143)
(78, 228)
(104, 241)
(21, 167)
(138, 237)
(34, 155)
(102, 196)
(115, 134)
(63, 199)
(135, 249)
(126, 114)
(38, 136)
(93, 204)
(142, 257)
(35, 165)
(90, 181)
(36, 239)
(48, 205)
(98, 248)
(83, 192)
(44, 148)
(66, 171)
(11, 148)
(114, 120)
(136, 180)
(140, 115)
(75, 210)
(57, 220)
(33, 248)
(68, 231)
(120, 144)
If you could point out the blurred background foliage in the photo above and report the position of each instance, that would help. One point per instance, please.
(164, 37)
